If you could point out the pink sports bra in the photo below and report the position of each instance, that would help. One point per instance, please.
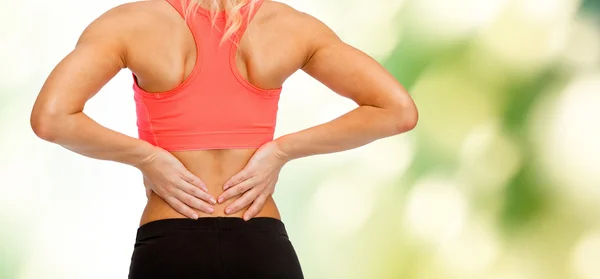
(215, 107)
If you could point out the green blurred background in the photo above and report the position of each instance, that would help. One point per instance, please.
(499, 180)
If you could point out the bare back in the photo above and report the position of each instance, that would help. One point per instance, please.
(162, 53)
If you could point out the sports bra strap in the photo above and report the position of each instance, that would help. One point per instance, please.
(177, 5)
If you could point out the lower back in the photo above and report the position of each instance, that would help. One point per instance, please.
(214, 168)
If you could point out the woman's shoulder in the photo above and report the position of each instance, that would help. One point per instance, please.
(141, 14)
(290, 20)
(132, 21)
(284, 13)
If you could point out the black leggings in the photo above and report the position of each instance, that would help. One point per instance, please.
(214, 248)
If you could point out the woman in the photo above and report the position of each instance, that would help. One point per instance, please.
(207, 77)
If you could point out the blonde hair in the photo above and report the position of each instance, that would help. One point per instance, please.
(232, 10)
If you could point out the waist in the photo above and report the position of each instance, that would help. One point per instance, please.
(158, 209)
(214, 168)
(210, 224)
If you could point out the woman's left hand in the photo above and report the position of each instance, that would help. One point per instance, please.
(256, 181)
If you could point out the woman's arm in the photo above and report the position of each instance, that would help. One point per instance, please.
(57, 114)
(385, 108)
(58, 117)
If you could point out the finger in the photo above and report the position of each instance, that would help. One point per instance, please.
(236, 190)
(256, 206)
(237, 178)
(192, 201)
(242, 201)
(195, 191)
(194, 180)
(181, 207)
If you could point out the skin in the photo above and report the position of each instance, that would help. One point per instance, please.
(152, 40)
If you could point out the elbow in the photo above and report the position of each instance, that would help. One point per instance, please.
(406, 116)
(44, 125)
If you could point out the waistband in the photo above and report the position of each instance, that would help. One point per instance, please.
(211, 224)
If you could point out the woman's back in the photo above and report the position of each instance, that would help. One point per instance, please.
(162, 50)
(162, 53)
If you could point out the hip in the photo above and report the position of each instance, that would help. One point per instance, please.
(214, 247)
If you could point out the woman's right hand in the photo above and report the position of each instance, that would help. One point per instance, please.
(166, 176)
